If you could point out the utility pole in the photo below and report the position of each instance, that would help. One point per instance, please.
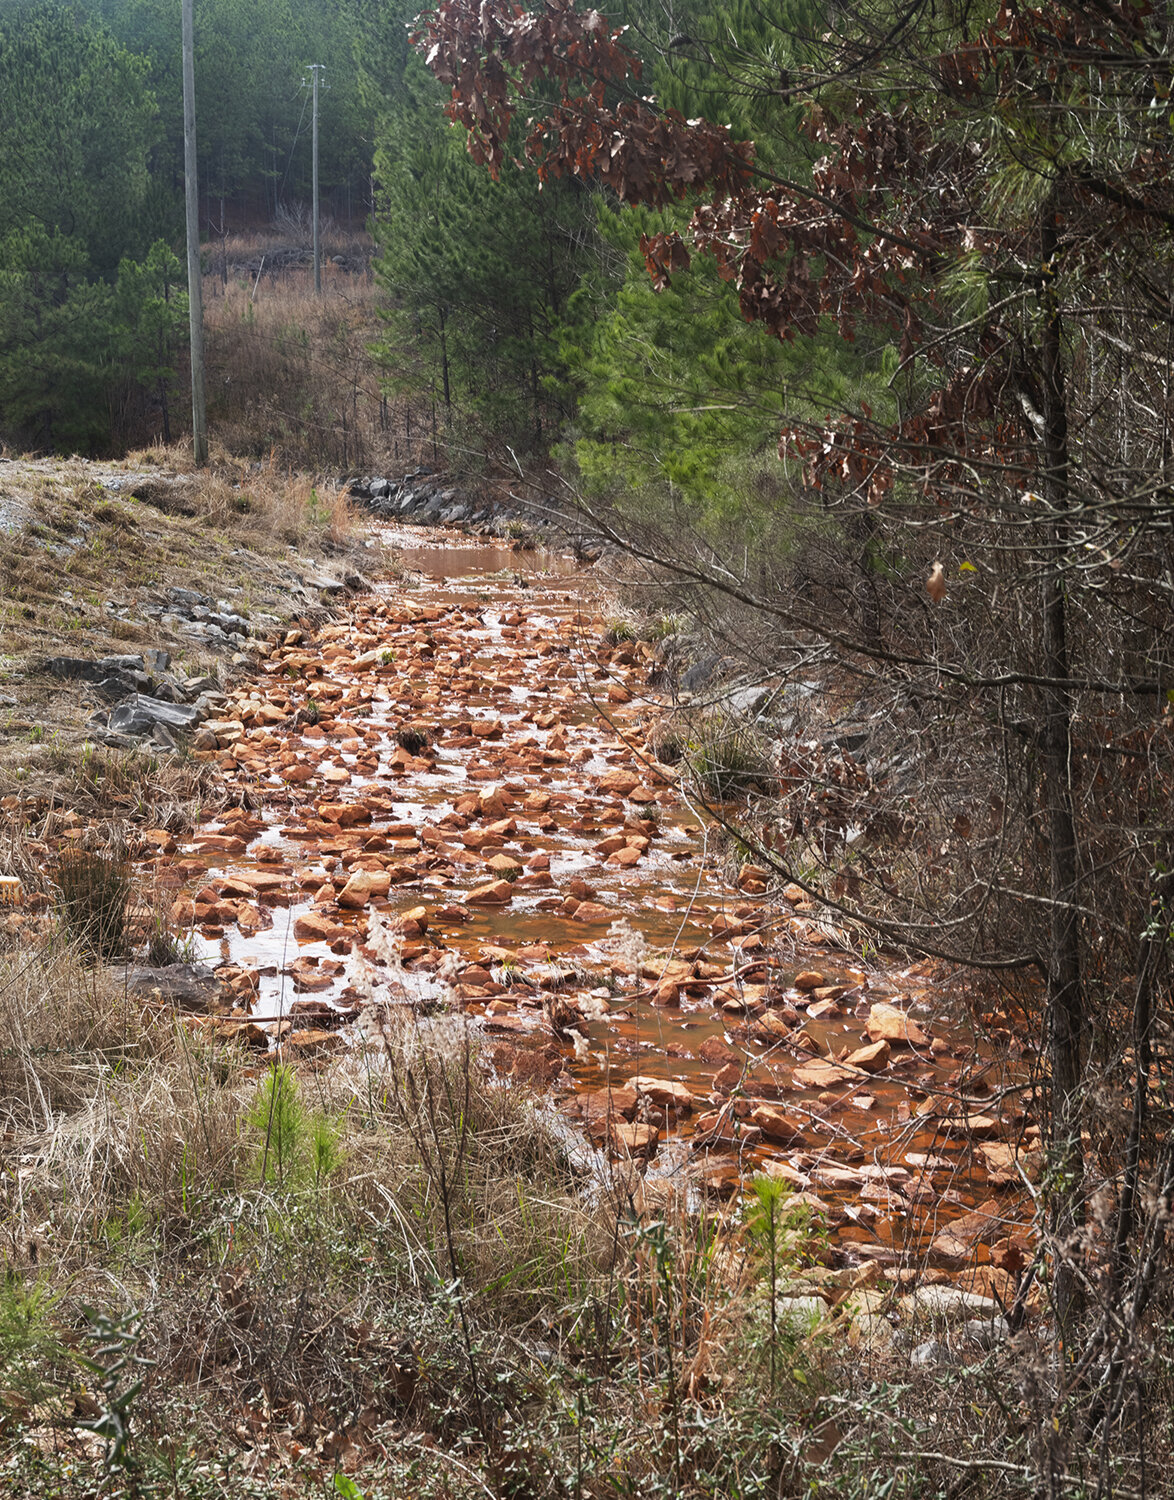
(316, 69)
(192, 205)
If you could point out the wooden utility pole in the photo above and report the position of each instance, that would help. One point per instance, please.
(316, 70)
(192, 205)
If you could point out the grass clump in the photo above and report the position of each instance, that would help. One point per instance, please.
(727, 758)
(413, 738)
(93, 895)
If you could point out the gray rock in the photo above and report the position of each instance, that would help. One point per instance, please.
(140, 714)
(188, 986)
(156, 660)
(118, 685)
(949, 1302)
(116, 741)
(230, 623)
(168, 690)
(700, 674)
(186, 598)
(164, 737)
(194, 686)
(75, 668)
(932, 1353)
(986, 1333)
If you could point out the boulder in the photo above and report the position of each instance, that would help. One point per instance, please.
(139, 715)
(186, 986)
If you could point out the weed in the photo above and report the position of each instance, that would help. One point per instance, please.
(120, 1367)
(619, 629)
(727, 757)
(413, 738)
(93, 895)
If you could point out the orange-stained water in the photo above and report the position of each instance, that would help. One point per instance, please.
(476, 636)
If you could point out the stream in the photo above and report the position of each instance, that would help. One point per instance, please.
(444, 799)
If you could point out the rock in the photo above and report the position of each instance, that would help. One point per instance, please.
(959, 1237)
(873, 1059)
(637, 1139)
(986, 1333)
(140, 714)
(618, 783)
(495, 893)
(665, 1093)
(947, 1301)
(887, 1023)
(824, 1075)
(186, 598)
(771, 1027)
(357, 891)
(592, 911)
(775, 1124)
(316, 927)
(808, 980)
(186, 986)
(716, 1052)
(722, 1129)
(802, 1312)
(932, 1353)
(115, 687)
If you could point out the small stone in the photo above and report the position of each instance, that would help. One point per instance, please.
(873, 1059)
(495, 893)
(888, 1023)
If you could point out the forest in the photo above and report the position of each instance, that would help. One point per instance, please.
(845, 332)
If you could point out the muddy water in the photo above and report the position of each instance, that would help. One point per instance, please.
(532, 865)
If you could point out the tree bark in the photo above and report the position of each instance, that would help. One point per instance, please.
(1066, 1021)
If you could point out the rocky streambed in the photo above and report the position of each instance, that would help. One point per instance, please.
(445, 800)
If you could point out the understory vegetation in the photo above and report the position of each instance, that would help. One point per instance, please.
(226, 1277)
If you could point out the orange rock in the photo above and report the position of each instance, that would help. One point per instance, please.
(808, 980)
(311, 1040)
(503, 865)
(344, 814)
(823, 1075)
(495, 893)
(316, 927)
(775, 1124)
(618, 783)
(357, 891)
(873, 1058)
(637, 1139)
(592, 911)
(665, 1093)
(887, 1023)
(771, 1027)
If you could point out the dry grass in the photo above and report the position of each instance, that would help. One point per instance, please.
(289, 373)
(289, 1268)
